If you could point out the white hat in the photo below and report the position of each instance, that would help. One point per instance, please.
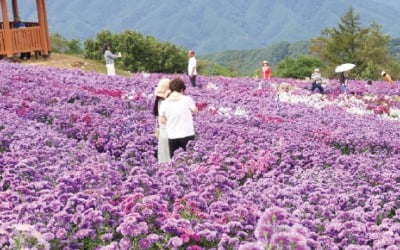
(265, 62)
(383, 73)
(316, 70)
(162, 89)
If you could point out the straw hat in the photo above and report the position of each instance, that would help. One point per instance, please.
(316, 70)
(162, 90)
(265, 62)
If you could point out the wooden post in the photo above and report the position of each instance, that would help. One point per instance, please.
(46, 26)
(7, 29)
(15, 9)
(43, 26)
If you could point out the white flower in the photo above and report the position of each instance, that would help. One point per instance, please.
(23, 227)
(212, 86)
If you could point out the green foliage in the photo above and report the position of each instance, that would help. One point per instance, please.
(139, 53)
(74, 47)
(208, 68)
(60, 44)
(349, 43)
(248, 62)
(299, 67)
(371, 71)
(394, 48)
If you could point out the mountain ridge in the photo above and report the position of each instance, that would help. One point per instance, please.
(209, 26)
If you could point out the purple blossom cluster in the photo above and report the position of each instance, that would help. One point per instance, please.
(78, 167)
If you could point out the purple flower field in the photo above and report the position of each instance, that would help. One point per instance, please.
(78, 167)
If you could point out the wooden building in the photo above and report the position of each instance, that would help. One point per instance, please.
(34, 37)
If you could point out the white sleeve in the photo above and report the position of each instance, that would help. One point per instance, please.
(191, 103)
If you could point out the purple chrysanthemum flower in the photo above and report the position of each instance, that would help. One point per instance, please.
(175, 242)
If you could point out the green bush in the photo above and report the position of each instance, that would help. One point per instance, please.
(139, 53)
(298, 67)
(60, 44)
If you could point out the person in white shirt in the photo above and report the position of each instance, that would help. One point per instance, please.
(192, 67)
(176, 112)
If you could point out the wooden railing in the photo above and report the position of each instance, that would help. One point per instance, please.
(27, 39)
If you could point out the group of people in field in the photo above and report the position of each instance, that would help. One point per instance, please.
(174, 117)
(174, 110)
(317, 79)
(174, 113)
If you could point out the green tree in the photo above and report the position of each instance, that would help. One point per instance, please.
(298, 67)
(74, 47)
(209, 68)
(58, 43)
(61, 45)
(349, 43)
(139, 53)
(394, 46)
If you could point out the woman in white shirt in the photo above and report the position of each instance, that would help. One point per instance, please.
(176, 113)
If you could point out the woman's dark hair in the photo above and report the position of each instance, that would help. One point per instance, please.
(106, 45)
(177, 85)
(155, 107)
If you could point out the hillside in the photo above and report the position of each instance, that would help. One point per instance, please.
(71, 62)
(208, 26)
(247, 61)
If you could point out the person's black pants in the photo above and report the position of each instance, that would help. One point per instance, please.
(317, 86)
(25, 55)
(193, 80)
(174, 144)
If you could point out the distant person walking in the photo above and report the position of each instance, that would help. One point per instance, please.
(161, 92)
(109, 58)
(192, 67)
(386, 77)
(176, 112)
(316, 78)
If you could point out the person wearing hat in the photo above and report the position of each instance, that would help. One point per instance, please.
(266, 71)
(176, 112)
(161, 92)
(387, 77)
(316, 78)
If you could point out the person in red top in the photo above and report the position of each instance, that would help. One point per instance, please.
(266, 71)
